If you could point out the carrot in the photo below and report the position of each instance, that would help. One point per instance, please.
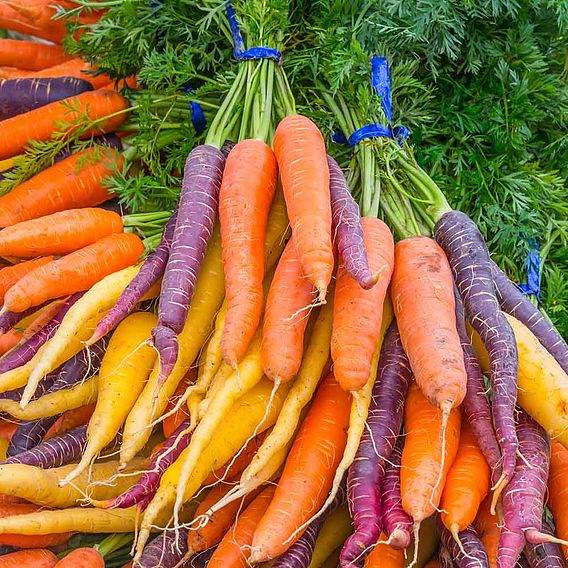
(9, 340)
(285, 318)
(424, 305)
(59, 233)
(104, 108)
(75, 182)
(358, 313)
(171, 422)
(7, 428)
(247, 190)
(12, 274)
(82, 558)
(558, 491)
(74, 68)
(234, 549)
(70, 419)
(467, 484)
(75, 272)
(38, 558)
(426, 459)
(335, 530)
(487, 527)
(30, 55)
(302, 159)
(317, 449)
(384, 555)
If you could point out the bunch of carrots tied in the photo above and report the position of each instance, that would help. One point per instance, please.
(295, 374)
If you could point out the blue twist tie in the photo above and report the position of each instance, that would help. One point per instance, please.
(532, 267)
(197, 117)
(381, 81)
(239, 51)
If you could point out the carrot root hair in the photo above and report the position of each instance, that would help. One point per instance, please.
(497, 490)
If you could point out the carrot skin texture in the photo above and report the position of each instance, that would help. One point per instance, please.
(384, 422)
(11, 274)
(38, 124)
(168, 549)
(422, 285)
(247, 190)
(318, 448)
(516, 304)
(347, 229)
(75, 272)
(358, 313)
(473, 554)
(77, 68)
(523, 497)
(469, 258)
(396, 522)
(197, 207)
(82, 558)
(558, 490)
(8, 320)
(18, 96)
(28, 435)
(285, 317)
(34, 558)
(302, 159)
(74, 182)
(476, 405)
(30, 55)
(384, 555)
(150, 272)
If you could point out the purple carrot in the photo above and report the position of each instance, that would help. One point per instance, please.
(150, 272)
(142, 491)
(522, 562)
(23, 353)
(22, 95)
(108, 140)
(515, 303)
(396, 522)
(546, 554)
(299, 555)
(347, 229)
(46, 384)
(377, 443)
(197, 208)
(476, 403)
(469, 552)
(5, 549)
(9, 319)
(445, 557)
(523, 498)
(29, 434)
(166, 551)
(469, 258)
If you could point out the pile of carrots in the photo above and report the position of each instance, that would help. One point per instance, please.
(302, 390)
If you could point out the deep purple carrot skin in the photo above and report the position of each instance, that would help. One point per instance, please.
(150, 272)
(197, 208)
(166, 550)
(469, 258)
(22, 95)
(29, 434)
(523, 498)
(21, 354)
(379, 438)
(299, 555)
(515, 303)
(9, 319)
(108, 140)
(347, 228)
(46, 384)
(142, 491)
(5, 549)
(476, 403)
(445, 557)
(546, 554)
(471, 553)
(396, 522)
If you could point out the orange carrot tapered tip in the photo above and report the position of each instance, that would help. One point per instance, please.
(302, 159)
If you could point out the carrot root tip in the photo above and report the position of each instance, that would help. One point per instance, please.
(497, 489)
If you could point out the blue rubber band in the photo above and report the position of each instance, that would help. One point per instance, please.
(532, 267)
(197, 116)
(239, 51)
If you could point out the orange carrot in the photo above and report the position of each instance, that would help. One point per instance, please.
(72, 183)
(170, 423)
(384, 555)
(285, 318)
(302, 159)
(467, 484)
(358, 313)
(39, 319)
(7, 428)
(37, 558)
(75, 272)
(487, 527)
(82, 558)
(70, 419)
(426, 457)
(234, 550)
(30, 55)
(66, 116)
(74, 68)
(9, 340)
(12, 274)
(558, 491)
(59, 233)
(308, 473)
(247, 190)
(424, 305)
